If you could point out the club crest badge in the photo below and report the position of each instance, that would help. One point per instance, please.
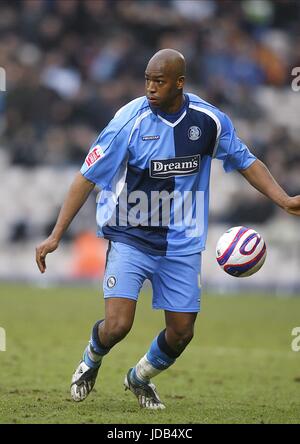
(194, 133)
(111, 281)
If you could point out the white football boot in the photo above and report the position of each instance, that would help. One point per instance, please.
(83, 381)
(146, 393)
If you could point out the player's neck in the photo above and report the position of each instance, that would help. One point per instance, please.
(174, 107)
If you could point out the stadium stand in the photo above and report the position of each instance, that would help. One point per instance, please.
(67, 72)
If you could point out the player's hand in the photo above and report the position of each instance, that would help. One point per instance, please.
(293, 205)
(42, 250)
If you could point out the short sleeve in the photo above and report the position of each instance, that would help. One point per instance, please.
(107, 154)
(230, 149)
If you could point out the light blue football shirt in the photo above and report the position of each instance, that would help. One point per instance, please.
(154, 171)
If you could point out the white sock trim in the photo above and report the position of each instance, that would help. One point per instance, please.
(93, 356)
(145, 370)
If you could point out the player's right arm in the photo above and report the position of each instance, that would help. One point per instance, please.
(107, 154)
(76, 197)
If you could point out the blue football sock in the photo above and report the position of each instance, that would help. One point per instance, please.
(158, 358)
(95, 350)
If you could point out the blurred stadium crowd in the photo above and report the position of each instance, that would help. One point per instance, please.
(70, 64)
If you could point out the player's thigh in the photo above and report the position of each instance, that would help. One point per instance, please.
(125, 272)
(176, 284)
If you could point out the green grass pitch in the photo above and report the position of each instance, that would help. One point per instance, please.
(239, 368)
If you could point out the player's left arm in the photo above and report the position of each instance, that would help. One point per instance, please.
(259, 176)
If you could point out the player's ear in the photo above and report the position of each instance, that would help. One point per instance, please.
(180, 82)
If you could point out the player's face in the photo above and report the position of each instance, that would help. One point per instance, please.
(162, 89)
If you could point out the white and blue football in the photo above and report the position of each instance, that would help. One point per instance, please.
(241, 251)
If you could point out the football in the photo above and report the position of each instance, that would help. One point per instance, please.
(241, 251)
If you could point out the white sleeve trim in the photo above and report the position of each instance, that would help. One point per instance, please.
(217, 122)
(137, 123)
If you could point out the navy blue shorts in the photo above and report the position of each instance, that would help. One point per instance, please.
(175, 279)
